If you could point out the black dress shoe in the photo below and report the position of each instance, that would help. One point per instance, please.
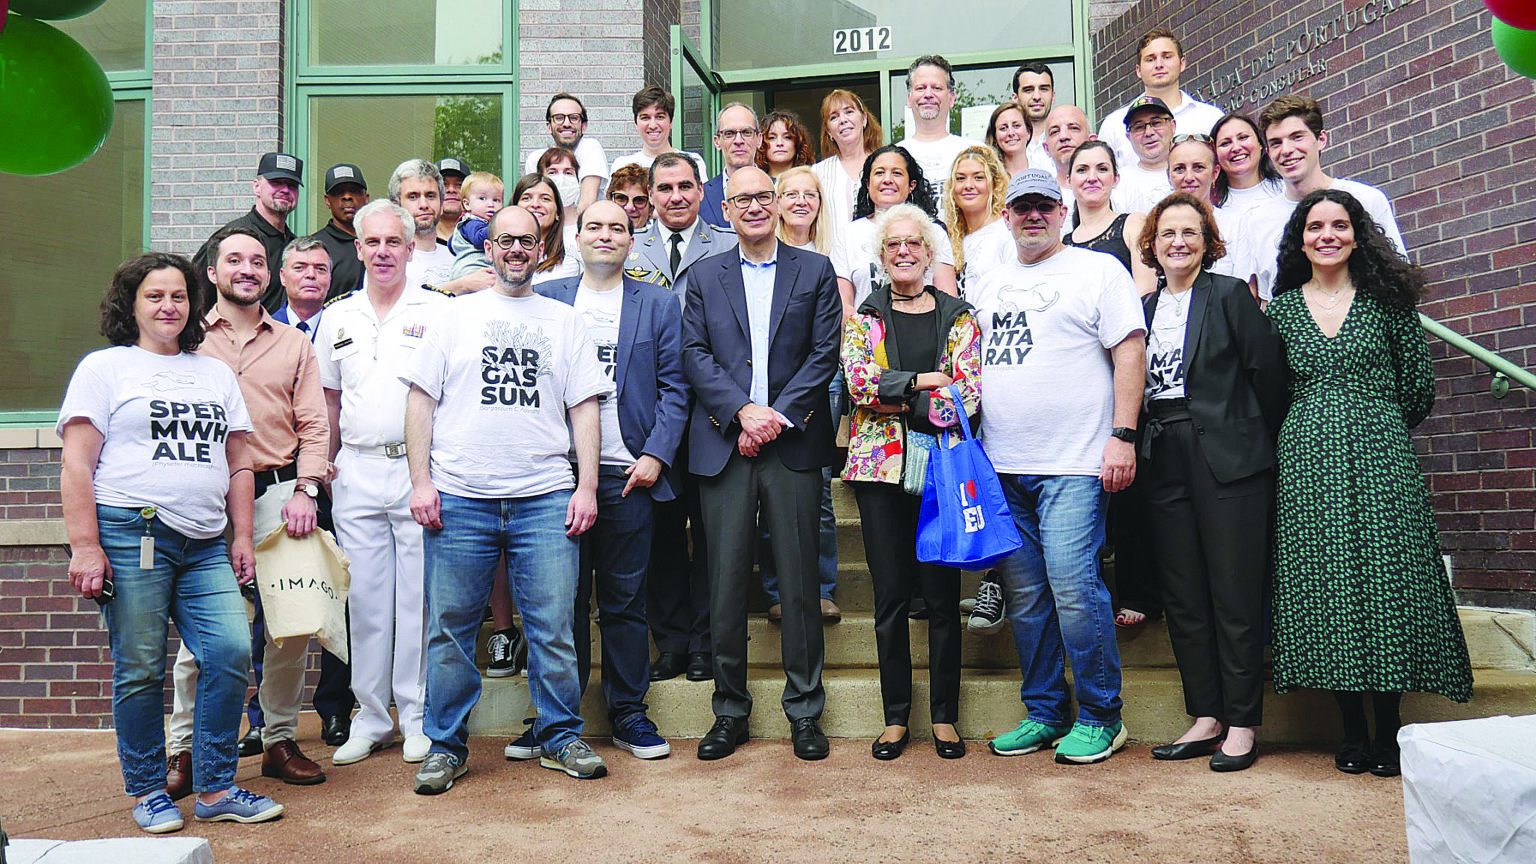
(334, 731)
(1220, 761)
(1188, 749)
(949, 749)
(1384, 760)
(885, 751)
(250, 745)
(723, 738)
(810, 743)
(1354, 757)
(668, 665)
(917, 610)
(701, 666)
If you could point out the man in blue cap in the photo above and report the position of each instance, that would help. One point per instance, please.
(276, 187)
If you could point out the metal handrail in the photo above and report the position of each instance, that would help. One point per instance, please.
(1503, 370)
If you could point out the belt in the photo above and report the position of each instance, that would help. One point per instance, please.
(392, 451)
(1163, 413)
(274, 476)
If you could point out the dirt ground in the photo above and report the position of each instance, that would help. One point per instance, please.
(761, 804)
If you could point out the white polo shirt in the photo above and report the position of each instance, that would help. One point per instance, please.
(1190, 118)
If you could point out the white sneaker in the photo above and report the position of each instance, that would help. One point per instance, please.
(416, 748)
(357, 749)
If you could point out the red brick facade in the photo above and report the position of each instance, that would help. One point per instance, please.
(1418, 104)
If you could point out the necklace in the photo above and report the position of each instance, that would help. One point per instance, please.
(1330, 304)
(900, 296)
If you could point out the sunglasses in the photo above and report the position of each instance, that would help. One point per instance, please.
(1193, 136)
(1044, 207)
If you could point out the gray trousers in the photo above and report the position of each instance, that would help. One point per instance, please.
(791, 510)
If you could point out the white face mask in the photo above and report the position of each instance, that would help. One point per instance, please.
(569, 188)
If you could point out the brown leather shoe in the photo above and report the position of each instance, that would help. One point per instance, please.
(829, 611)
(776, 613)
(284, 761)
(178, 775)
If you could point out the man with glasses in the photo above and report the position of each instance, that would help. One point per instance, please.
(1144, 181)
(1062, 367)
(505, 385)
(761, 331)
(1159, 63)
(930, 96)
(737, 138)
(567, 121)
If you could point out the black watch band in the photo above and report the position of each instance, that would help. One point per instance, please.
(1124, 433)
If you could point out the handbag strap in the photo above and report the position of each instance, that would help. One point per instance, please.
(964, 421)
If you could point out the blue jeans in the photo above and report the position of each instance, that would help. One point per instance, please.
(616, 552)
(826, 558)
(1056, 599)
(193, 585)
(542, 572)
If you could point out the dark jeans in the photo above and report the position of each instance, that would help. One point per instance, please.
(677, 587)
(889, 517)
(615, 553)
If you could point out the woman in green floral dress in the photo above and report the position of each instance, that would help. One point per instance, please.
(1361, 599)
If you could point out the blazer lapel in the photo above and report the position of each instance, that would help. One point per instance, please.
(629, 323)
(736, 294)
(1198, 307)
(783, 285)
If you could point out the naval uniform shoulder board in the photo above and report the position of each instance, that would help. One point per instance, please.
(339, 297)
(439, 290)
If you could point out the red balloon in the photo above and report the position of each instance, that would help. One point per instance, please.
(1520, 14)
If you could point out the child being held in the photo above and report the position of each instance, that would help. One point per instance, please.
(481, 193)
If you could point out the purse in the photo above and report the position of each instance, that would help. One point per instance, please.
(965, 520)
(915, 450)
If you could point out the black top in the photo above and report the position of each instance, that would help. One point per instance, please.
(918, 335)
(346, 270)
(1111, 242)
(272, 240)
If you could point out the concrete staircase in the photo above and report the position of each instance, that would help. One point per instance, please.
(1501, 644)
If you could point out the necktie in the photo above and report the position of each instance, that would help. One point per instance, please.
(677, 253)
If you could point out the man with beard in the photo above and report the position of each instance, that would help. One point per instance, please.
(505, 385)
(930, 96)
(1034, 91)
(567, 121)
(278, 377)
(417, 185)
(345, 193)
(276, 187)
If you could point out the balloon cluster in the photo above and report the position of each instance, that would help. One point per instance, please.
(1514, 34)
(55, 102)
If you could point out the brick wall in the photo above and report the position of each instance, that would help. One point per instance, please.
(217, 107)
(1419, 105)
(659, 18)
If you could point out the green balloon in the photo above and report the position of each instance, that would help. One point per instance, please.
(1516, 47)
(55, 102)
(54, 10)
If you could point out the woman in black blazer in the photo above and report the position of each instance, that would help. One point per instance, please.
(1214, 400)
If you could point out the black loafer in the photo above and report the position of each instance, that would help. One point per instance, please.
(668, 665)
(250, 745)
(949, 749)
(723, 738)
(1354, 757)
(885, 751)
(1188, 749)
(1384, 760)
(334, 731)
(810, 743)
(701, 667)
(1222, 762)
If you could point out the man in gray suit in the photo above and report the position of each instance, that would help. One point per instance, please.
(760, 344)
(677, 603)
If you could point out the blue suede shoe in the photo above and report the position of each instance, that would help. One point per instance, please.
(238, 806)
(158, 814)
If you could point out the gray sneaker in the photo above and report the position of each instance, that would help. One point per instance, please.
(437, 773)
(578, 760)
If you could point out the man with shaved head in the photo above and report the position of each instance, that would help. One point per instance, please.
(503, 384)
(1066, 128)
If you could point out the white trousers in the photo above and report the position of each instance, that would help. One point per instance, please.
(282, 670)
(372, 513)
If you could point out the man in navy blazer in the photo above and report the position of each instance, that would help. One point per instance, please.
(761, 329)
(737, 139)
(636, 328)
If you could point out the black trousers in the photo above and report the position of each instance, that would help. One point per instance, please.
(790, 503)
(889, 517)
(677, 584)
(1135, 581)
(1211, 541)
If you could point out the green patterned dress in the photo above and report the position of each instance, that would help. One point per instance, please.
(1361, 599)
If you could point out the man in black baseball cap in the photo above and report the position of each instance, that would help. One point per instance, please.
(1149, 124)
(345, 193)
(276, 188)
(454, 171)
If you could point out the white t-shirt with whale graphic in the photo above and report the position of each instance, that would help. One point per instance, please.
(164, 422)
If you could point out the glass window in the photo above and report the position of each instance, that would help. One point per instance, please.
(377, 133)
(977, 92)
(695, 115)
(752, 34)
(67, 233)
(405, 32)
(113, 33)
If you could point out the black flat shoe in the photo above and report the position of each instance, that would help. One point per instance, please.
(810, 743)
(668, 665)
(917, 610)
(1188, 750)
(334, 731)
(1220, 761)
(885, 751)
(949, 749)
(250, 745)
(1353, 757)
(701, 666)
(723, 738)
(1384, 760)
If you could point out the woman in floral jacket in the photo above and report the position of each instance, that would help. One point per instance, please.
(902, 349)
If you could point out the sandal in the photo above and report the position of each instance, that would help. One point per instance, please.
(1129, 618)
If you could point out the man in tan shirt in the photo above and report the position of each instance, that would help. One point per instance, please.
(280, 381)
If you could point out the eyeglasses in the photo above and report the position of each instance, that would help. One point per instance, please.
(800, 195)
(743, 201)
(736, 134)
(896, 244)
(1193, 136)
(1158, 125)
(527, 241)
(567, 118)
(623, 200)
(1023, 207)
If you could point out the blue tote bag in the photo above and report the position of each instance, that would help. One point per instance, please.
(964, 521)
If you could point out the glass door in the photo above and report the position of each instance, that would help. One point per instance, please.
(696, 88)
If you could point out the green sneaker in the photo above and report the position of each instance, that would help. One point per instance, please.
(1089, 744)
(1027, 737)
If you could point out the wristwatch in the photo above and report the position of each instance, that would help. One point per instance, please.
(309, 489)
(1124, 433)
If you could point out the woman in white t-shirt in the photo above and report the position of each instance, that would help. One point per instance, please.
(849, 133)
(890, 177)
(802, 218)
(1245, 177)
(973, 214)
(537, 194)
(560, 166)
(155, 468)
(1192, 170)
(1008, 133)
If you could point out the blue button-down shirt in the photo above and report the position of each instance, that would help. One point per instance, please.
(758, 279)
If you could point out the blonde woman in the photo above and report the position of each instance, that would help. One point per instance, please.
(973, 212)
(801, 223)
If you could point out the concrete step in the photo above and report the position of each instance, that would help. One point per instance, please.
(989, 706)
(1496, 639)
